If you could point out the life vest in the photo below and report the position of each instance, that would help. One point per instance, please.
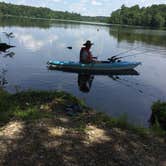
(85, 55)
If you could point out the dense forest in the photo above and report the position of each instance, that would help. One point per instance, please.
(154, 16)
(40, 12)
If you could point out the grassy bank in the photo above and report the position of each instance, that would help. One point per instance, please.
(33, 105)
(55, 128)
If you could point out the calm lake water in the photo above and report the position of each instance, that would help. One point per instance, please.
(37, 41)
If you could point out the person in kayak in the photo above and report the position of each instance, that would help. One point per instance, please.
(85, 53)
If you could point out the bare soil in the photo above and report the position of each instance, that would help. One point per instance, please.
(65, 140)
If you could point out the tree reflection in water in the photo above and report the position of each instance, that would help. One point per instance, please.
(5, 52)
(3, 80)
(9, 54)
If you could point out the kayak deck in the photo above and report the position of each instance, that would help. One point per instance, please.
(103, 66)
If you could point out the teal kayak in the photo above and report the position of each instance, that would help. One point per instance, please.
(102, 66)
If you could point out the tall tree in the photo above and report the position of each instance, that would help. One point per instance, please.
(154, 16)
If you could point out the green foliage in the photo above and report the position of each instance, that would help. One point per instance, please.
(29, 113)
(26, 105)
(157, 20)
(158, 118)
(159, 109)
(156, 128)
(4, 105)
(159, 113)
(103, 119)
(154, 16)
(40, 12)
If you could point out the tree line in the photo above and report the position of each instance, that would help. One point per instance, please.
(154, 16)
(41, 12)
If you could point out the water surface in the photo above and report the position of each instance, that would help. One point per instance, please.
(37, 41)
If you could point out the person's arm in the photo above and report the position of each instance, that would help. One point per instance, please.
(89, 58)
(93, 57)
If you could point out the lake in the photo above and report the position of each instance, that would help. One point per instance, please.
(24, 67)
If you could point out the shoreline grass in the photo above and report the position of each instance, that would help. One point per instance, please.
(32, 105)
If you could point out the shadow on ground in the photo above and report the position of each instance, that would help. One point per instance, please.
(75, 140)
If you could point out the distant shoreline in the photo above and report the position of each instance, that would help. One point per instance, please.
(88, 23)
(62, 20)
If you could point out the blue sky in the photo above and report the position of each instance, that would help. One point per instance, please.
(86, 7)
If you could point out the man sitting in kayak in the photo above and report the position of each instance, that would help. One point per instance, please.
(85, 54)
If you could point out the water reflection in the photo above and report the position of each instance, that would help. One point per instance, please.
(85, 79)
(4, 49)
(155, 37)
(85, 82)
(3, 80)
(9, 54)
(23, 22)
(40, 23)
(5, 52)
(9, 36)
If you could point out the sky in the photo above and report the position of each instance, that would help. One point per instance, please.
(86, 7)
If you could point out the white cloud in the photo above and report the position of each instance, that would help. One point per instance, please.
(29, 41)
(142, 2)
(55, 0)
(79, 7)
(96, 3)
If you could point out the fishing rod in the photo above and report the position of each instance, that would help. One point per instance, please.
(114, 58)
(125, 52)
(151, 49)
(133, 54)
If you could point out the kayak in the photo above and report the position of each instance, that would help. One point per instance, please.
(98, 72)
(100, 66)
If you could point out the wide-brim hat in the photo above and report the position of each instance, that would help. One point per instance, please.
(88, 43)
